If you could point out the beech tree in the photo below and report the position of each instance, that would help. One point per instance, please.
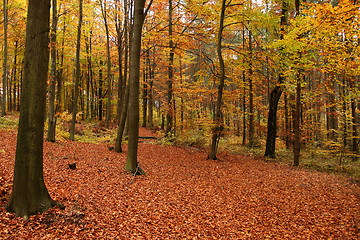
(29, 194)
(132, 164)
(3, 101)
(276, 94)
(51, 115)
(217, 129)
(77, 74)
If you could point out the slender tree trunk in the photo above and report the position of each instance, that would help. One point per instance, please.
(355, 139)
(133, 111)
(217, 129)
(287, 128)
(251, 96)
(15, 79)
(297, 118)
(145, 92)
(151, 100)
(122, 121)
(109, 81)
(244, 94)
(51, 115)
(77, 74)
(30, 195)
(120, 49)
(3, 112)
(59, 98)
(169, 112)
(125, 104)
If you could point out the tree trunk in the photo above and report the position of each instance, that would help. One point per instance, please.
(272, 128)
(151, 100)
(122, 122)
(15, 79)
(120, 48)
(297, 118)
(217, 129)
(251, 95)
(109, 93)
(3, 103)
(125, 103)
(287, 127)
(30, 195)
(169, 95)
(244, 94)
(51, 115)
(100, 94)
(59, 97)
(77, 74)
(355, 139)
(145, 92)
(133, 111)
(272, 125)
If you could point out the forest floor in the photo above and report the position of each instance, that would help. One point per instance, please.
(183, 196)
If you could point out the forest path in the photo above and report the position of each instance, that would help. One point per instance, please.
(183, 196)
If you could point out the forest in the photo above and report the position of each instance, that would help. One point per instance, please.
(294, 64)
(181, 92)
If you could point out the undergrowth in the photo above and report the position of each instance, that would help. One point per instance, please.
(9, 122)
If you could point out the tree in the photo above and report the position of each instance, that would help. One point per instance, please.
(297, 111)
(217, 129)
(108, 105)
(77, 74)
(51, 115)
(132, 164)
(169, 82)
(3, 105)
(124, 95)
(275, 95)
(29, 194)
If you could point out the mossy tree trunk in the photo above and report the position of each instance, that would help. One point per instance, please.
(30, 195)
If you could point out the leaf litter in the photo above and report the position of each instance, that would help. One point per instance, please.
(183, 196)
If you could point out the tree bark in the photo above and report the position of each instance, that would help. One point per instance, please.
(125, 103)
(251, 96)
(297, 118)
(3, 103)
(51, 115)
(30, 195)
(134, 75)
(272, 128)
(169, 94)
(109, 81)
(272, 125)
(355, 138)
(151, 100)
(77, 74)
(217, 129)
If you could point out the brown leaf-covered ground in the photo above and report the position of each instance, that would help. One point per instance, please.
(183, 196)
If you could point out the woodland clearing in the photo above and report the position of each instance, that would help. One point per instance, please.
(183, 196)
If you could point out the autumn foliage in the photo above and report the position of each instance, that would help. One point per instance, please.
(183, 195)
